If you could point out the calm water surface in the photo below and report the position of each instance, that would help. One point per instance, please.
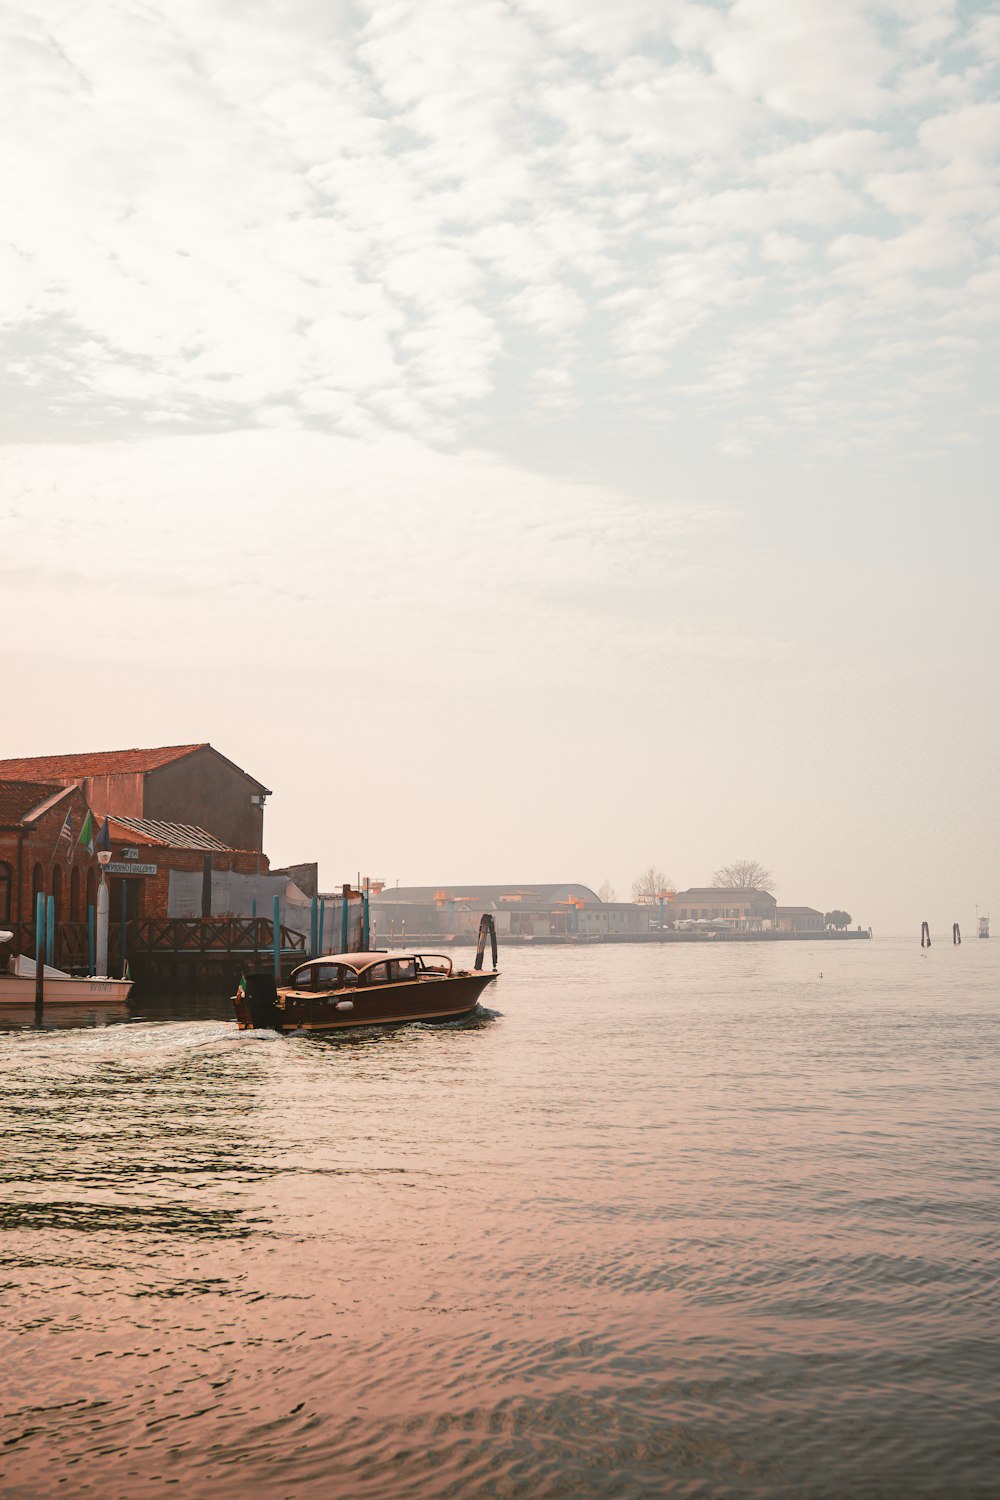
(663, 1221)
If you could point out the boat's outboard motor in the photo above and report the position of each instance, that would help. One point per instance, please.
(262, 1002)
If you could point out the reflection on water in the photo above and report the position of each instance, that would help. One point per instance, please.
(663, 1221)
(56, 1017)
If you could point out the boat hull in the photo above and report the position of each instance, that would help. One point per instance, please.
(443, 999)
(65, 990)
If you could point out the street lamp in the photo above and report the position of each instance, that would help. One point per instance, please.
(103, 858)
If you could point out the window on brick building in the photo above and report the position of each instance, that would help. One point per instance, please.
(5, 890)
(37, 888)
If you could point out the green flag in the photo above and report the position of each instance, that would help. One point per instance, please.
(87, 833)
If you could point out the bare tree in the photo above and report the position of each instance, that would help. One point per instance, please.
(648, 887)
(745, 875)
(607, 892)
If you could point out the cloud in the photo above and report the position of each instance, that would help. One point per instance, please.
(368, 217)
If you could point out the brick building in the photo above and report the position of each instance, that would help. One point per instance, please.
(33, 856)
(188, 784)
(146, 852)
(183, 808)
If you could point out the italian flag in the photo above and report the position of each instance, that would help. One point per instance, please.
(87, 834)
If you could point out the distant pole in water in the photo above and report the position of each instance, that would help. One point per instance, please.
(39, 953)
(925, 935)
(956, 933)
(487, 932)
(276, 935)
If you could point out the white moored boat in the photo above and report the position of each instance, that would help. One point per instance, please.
(17, 983)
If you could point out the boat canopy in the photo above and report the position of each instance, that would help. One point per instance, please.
(418, 960)
(359, 962)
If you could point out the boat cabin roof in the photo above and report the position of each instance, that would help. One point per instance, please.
(359, 962)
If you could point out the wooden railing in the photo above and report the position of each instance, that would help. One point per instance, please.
(209, 935)
(193, 935)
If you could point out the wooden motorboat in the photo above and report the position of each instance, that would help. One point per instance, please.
(380, 988)
(341, 990)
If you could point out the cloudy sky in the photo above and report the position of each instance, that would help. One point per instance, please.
(539, 439)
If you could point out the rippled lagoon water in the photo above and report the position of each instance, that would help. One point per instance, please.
(663, 1221)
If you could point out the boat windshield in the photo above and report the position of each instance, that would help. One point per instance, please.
(434, 963)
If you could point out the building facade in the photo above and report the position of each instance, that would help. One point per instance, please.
(147, 855)
(191, 785)
(519, 911)
(747, 910)
(798, 919)
(40, 824)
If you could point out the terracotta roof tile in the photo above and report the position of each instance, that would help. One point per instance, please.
(17, 798)
(93, 763)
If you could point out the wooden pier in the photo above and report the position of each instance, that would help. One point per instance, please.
(176, 955)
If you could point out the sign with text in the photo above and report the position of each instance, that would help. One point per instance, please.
(121, 867)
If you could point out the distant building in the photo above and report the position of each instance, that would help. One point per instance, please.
(518, 911)
(748, 910)
(798, 919)
(188, 784)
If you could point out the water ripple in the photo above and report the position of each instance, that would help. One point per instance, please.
(662, 1222)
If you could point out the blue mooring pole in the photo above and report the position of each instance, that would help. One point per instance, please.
(314, 928)
(39, 952)
(365, 923)
(50, 930)
(91, 942)
(276, 923)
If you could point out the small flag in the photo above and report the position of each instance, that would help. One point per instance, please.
(66, 836)
(104, 837)
(241, 988)
(86, 839)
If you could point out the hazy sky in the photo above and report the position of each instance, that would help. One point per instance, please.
(538, 439)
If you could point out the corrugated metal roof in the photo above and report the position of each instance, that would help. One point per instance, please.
(94, 762)
(18, 798)
(165, 835)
